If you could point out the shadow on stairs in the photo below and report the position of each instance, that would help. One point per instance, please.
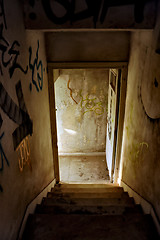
(89, 212)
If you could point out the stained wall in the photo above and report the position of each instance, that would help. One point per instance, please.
(140, 153)
(87, 46)
(23, 93)
(81, 109)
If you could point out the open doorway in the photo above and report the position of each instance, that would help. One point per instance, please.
(81, 100)
(82, 103)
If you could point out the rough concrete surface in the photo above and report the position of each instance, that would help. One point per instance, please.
(83, 169)
(111, 218)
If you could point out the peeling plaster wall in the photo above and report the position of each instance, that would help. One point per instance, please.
(141, 151)
(23, 59)
(81, 103)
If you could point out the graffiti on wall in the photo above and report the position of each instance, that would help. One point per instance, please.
(137, 151)
(9, 55)
(17, 114)
(2, 153)
(23, 151)
(151, 119)
(37, 69)
(3, 157)
(9, 52)
(97, 9)
(2, 14)
(91, 104)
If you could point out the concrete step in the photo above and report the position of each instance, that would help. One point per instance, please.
(107, 185)
(124, 201)
(96, 210)
(89, 227)
(87, 190)
(118, 194)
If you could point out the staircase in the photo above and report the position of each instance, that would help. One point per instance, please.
(89, 212)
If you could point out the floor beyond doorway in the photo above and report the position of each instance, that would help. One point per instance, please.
(83, 169)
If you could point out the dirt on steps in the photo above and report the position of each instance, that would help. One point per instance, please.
(89, 213)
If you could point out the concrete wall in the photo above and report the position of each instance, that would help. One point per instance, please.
(87, 46)
(141, 151)
(24, 53)
(89, 14)
(81, 102)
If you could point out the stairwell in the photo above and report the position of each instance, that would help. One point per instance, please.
(89, 212)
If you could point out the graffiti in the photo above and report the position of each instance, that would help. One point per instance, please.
(140, 148)
(151, 119)
(32, 15)
(2, 13)
(17, 114)
(23, 151)
(91, 105)
(137, 152)
(1, 121)
(9, 52)
(71, 92)
(97, 9)
(37, 69)
(2, 154)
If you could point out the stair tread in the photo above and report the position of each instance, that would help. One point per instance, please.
(89, 201)
(88, 195)
(88, 227)
(87, 190)
(75, 209)
(89, 213)
(78, 185)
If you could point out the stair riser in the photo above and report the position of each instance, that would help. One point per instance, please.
(108, 185)
(89, 202)
(87, 190)
(108, 210)
(87, 195)
(89, 227)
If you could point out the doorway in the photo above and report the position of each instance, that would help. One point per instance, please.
(81, 100)
(81, 110)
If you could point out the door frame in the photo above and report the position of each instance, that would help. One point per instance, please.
(86, 65)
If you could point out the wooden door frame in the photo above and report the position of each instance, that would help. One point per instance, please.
(86, 65)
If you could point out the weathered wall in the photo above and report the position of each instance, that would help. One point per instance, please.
(75, 14)
(22, 60)
(141, 151)
(87, 46)
(81, 103)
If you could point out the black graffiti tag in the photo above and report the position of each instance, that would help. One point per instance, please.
(9, 54)
(17, 114)
(2, 13)
(37, 69)
(2, 153)
(97, 9)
